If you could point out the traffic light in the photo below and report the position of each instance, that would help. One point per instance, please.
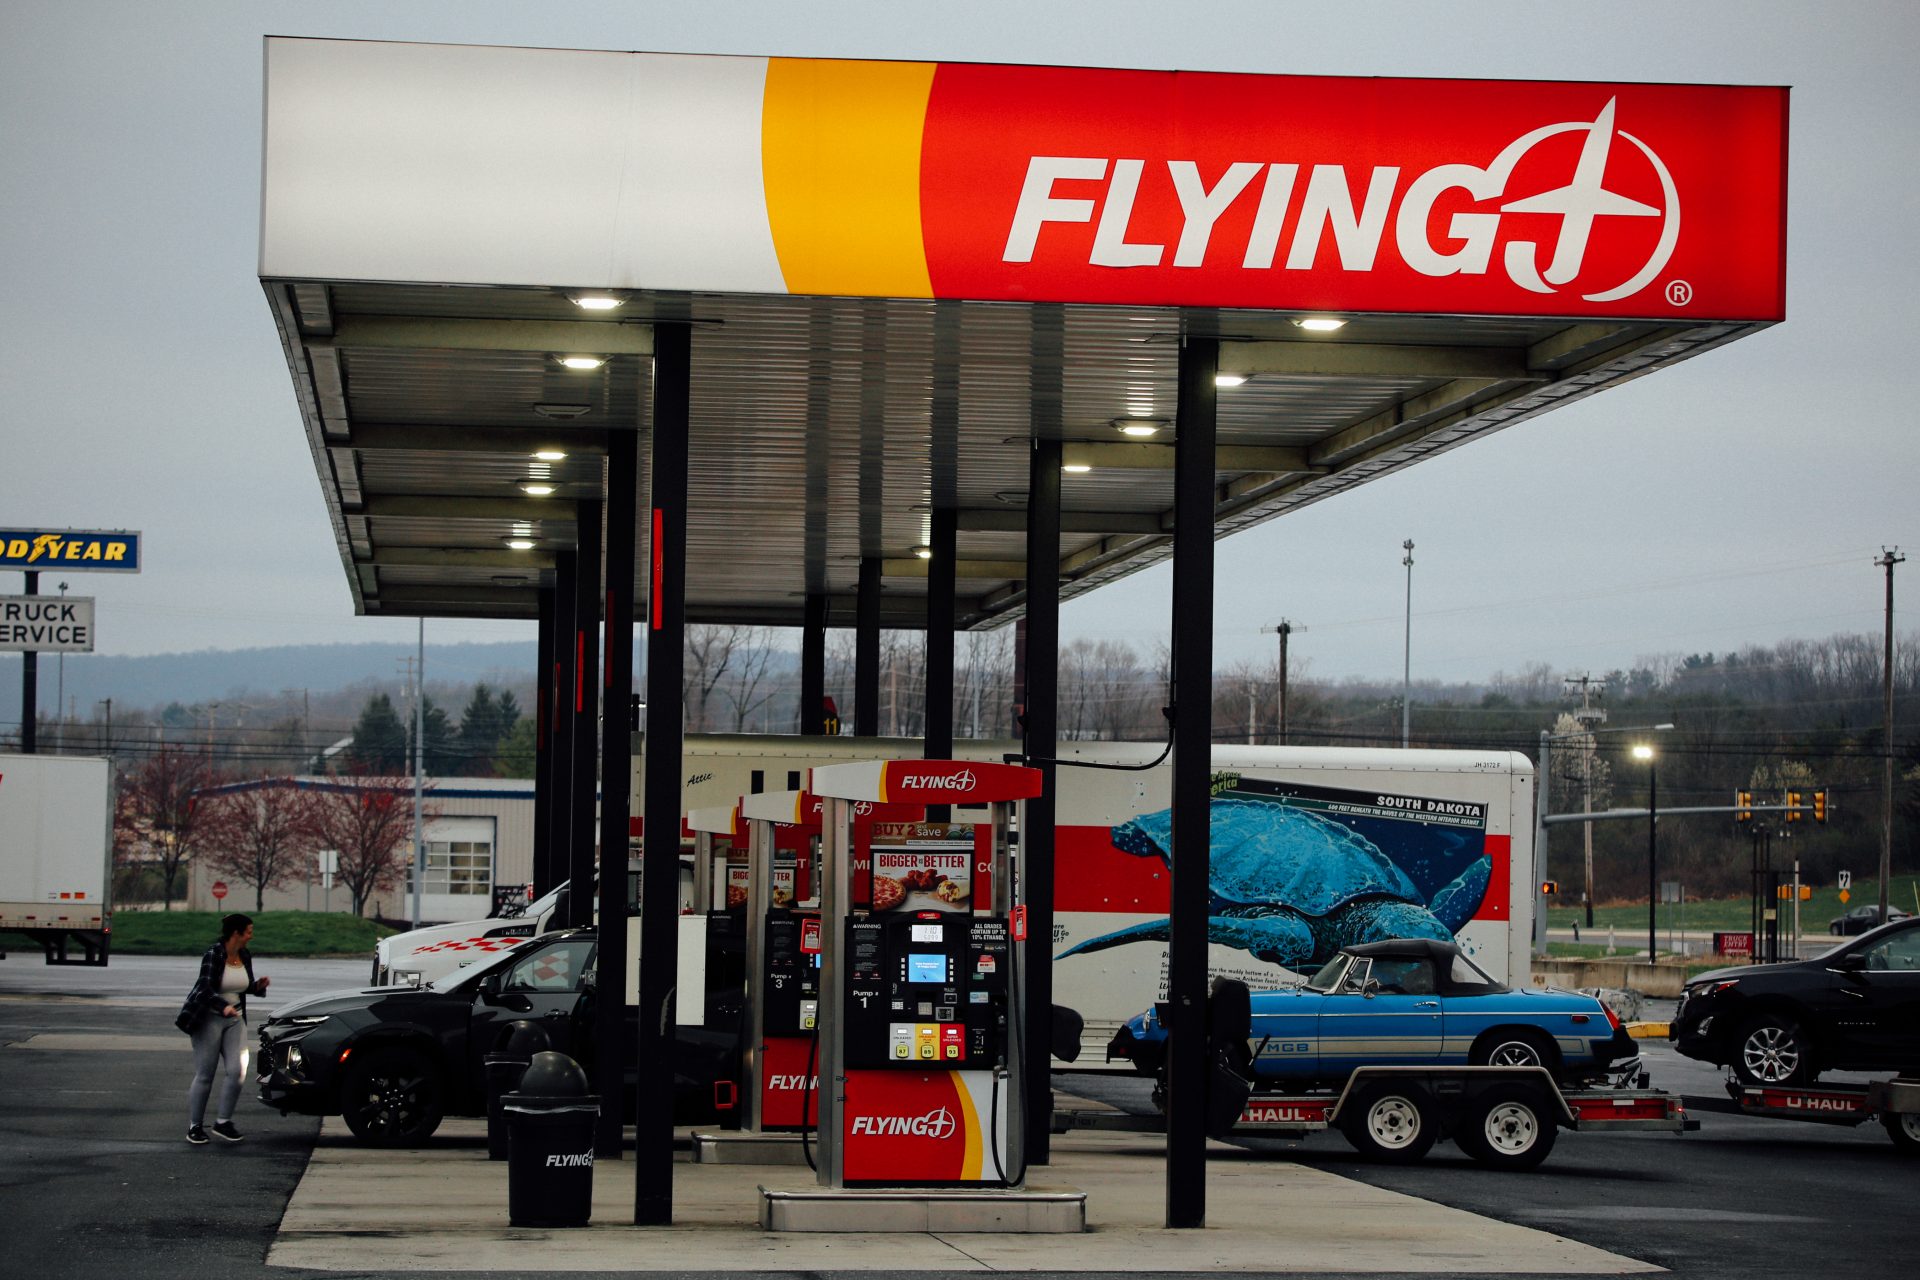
(1820, 805)
(1548, 888)
(1793, 806)
(1743, 806)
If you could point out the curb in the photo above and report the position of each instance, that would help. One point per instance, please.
(1649, 1030)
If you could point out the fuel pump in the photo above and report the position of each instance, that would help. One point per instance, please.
(780, 1071)
(919, 992)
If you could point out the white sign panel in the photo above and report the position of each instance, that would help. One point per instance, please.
(46, 624)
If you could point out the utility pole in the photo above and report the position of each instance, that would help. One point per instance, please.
(419, 746)
(1406, 670)
(1889, 557)
(1284, 629)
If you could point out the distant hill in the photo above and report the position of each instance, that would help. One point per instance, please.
(215, 674)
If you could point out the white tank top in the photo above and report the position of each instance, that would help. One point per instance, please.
(233, 980)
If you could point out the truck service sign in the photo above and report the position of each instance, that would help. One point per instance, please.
(70, 550)
(1021, 183)
(46, 624)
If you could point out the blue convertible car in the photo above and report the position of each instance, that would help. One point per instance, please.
(1407, 1002)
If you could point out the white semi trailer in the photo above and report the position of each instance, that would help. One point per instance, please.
(56, 842)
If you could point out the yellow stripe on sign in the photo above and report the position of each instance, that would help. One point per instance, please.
(969, 1121)
(840, 157)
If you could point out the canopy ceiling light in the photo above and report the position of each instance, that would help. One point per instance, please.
(1139, 428)
(536, 490)
(582, 363)
(1229, 379)
(1075, 468)
(549, 455)
(520, 544)
(925, 553)
(598, 301)
(562, 412)
(1320, 324)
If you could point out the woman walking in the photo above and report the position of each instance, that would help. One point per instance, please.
(215, 1015)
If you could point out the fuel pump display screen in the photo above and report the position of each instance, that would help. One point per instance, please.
(926, 933)
(926, 968)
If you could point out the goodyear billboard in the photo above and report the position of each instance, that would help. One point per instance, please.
(70, 550)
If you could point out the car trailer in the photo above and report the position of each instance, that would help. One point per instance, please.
(1503, 1117)
(1895, 1103)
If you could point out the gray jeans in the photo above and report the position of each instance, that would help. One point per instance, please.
(216, 1044)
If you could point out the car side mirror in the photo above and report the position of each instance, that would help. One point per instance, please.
(1371, 988)
(489, 987)
(1853, 963)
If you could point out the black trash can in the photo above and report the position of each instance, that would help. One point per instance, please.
(550, 1126)
(519, 1041)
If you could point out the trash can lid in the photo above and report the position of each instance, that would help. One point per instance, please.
(554, 1075)
(522, 1038)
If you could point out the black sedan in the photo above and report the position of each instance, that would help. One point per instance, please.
(1856, 1008)
(1863, 918)
(392, 1061)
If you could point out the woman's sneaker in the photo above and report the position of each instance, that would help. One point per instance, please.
(197, 1135)
(226, 1131)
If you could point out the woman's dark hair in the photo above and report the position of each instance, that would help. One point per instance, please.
(235, 923)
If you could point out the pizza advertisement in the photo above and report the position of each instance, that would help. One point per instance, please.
(922, 867)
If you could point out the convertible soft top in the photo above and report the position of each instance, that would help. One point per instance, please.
(1447, 975)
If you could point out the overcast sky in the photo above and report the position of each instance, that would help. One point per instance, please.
(1738, 498)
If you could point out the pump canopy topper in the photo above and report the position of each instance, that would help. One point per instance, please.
(70, 550)
(1024, 183)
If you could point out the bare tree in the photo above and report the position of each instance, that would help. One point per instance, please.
(368, 822)
(158, 818)
(710, 652)
(749, 689)
(260, 833)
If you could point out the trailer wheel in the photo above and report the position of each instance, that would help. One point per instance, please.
(392, 1098)
(1392, 1123)
(1905, 1132)
(1772, 1049)
(1508, 1126)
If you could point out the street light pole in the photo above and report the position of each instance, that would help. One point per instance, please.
(1644, 752)
(1406, 669)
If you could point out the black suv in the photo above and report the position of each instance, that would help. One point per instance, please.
(393, 1060)
(1856, 1008)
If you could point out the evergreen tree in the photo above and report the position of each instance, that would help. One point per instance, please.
(379, 739)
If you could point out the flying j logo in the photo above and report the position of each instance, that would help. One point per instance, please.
(1085, 185)
(937, 1124)
(962, 781)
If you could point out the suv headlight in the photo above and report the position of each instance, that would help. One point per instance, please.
(303, 1022)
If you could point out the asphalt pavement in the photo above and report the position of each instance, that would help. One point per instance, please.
(97, 1180)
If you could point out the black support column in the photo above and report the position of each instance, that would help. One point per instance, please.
(586, 716)
(616, 768)
(1041, 743)
(866, 651)
(543, 748)
(566, 610)
(1192, 764)
(813, 665)
(941, 570)
(30, 683)
(660, 886)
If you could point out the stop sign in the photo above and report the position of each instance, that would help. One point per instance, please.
(219, 890)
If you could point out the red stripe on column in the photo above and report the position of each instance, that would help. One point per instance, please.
(658, 556)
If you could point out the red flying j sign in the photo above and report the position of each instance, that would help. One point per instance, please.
(1311, 193)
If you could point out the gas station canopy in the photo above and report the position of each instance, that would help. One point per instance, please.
(899, 274)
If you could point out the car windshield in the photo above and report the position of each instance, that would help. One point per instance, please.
(1328, 978)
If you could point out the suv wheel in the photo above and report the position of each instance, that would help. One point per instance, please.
(1771, 1049)
(392, 1097)
(1905, 1132)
